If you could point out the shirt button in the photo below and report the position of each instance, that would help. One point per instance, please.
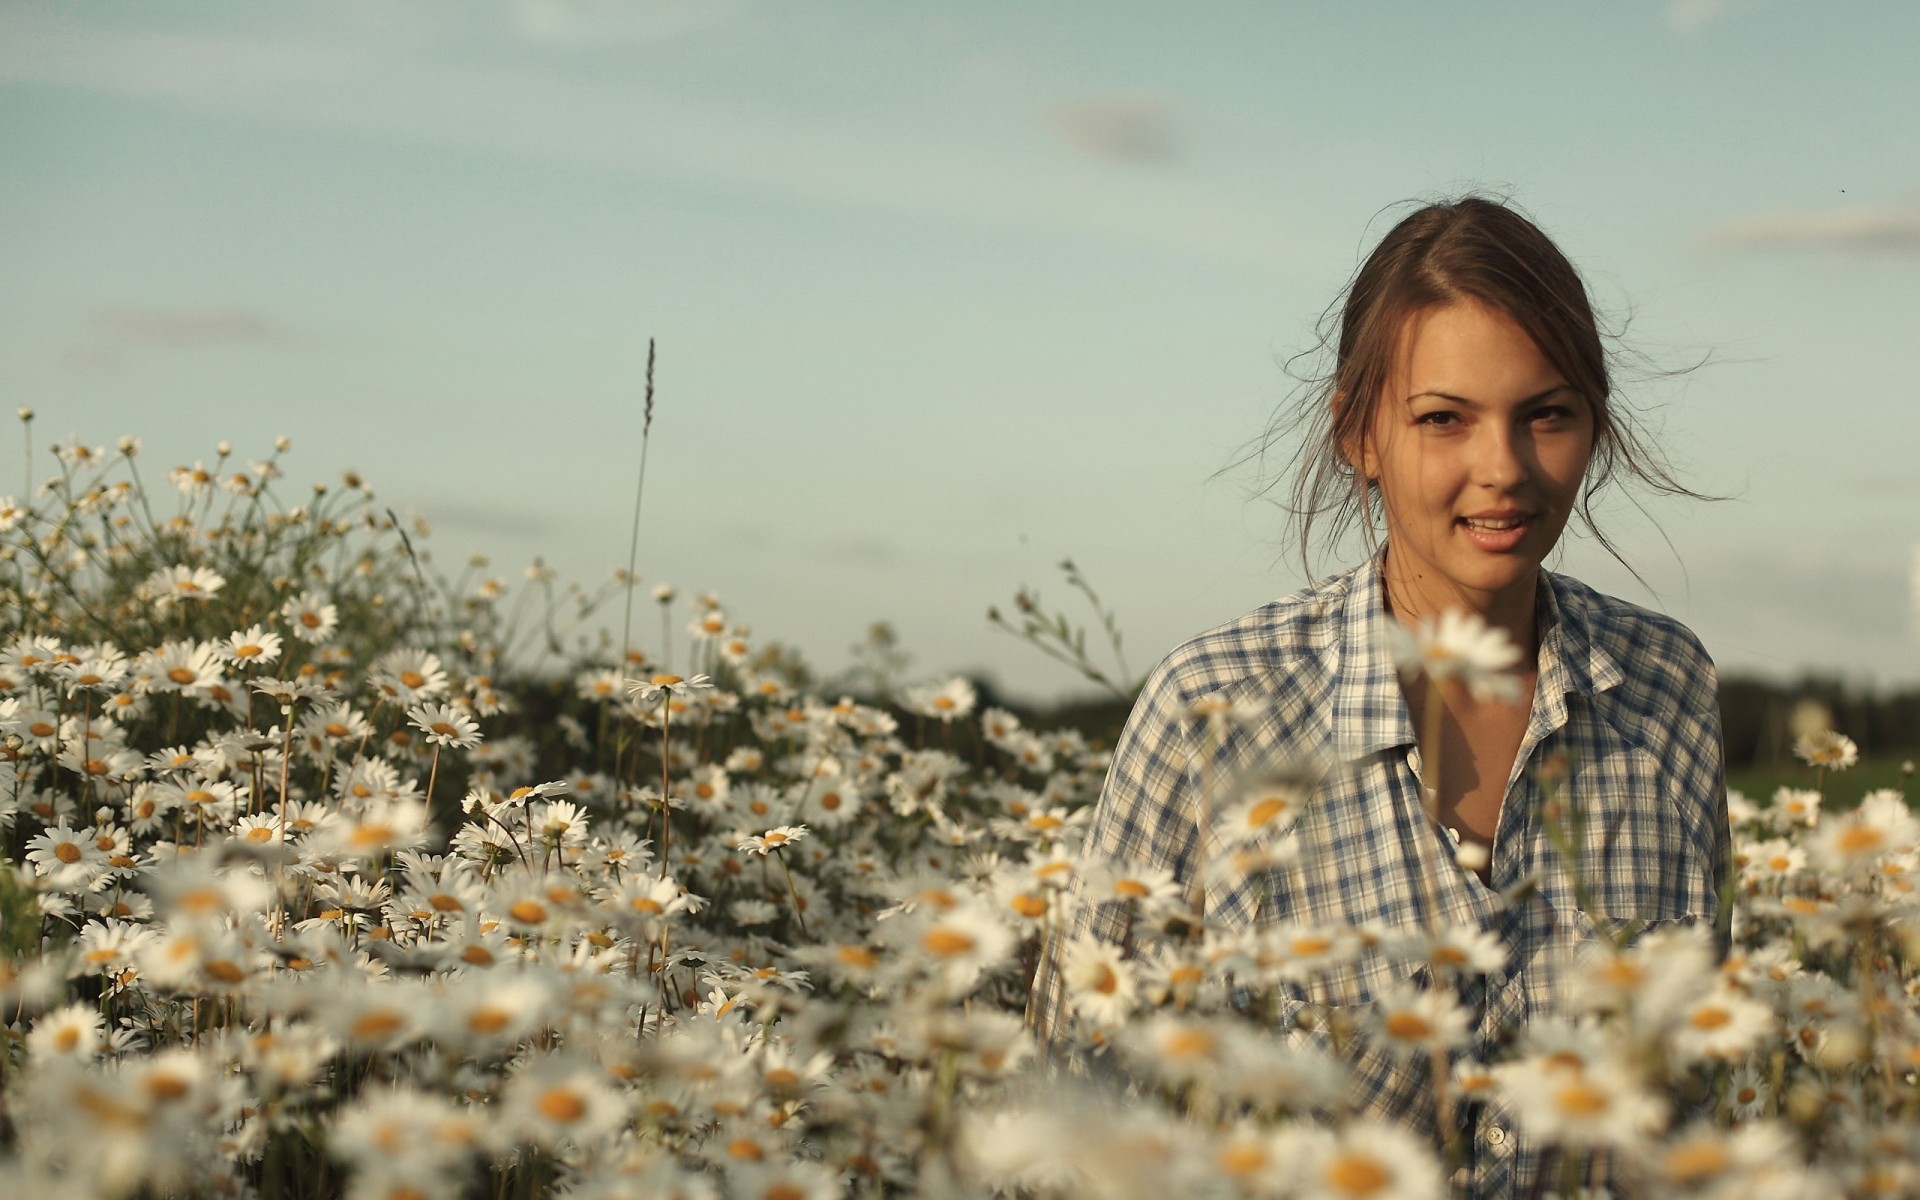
(1496, 1136)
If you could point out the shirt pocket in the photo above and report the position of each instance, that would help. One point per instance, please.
(1644, 859)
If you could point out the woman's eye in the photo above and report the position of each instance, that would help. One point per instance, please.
(1437, 417)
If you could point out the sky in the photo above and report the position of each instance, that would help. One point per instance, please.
(945, 294)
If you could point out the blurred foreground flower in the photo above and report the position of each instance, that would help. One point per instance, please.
(1462, 646)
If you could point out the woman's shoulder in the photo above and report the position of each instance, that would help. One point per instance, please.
(1289, 639)
(1649, 653)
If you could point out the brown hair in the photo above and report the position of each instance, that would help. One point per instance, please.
(1474, 248)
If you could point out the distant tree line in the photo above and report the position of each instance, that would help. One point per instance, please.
(1757, 717)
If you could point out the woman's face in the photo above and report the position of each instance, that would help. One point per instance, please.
(1479, 447)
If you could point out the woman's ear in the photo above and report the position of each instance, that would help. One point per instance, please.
(1355, 447)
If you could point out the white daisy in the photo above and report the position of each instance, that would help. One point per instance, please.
(1460, 645)
(1101, 984)
(1364, 1159)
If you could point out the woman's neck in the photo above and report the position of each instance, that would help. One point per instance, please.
(1413, 595)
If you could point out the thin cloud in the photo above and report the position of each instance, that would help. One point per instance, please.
(1691, 16)
(91, 359)
(590, 23)
(1875, 233)
(399, 90)
(183, 327)
(1124, 129)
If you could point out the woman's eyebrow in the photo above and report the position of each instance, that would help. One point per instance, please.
(1533, 399)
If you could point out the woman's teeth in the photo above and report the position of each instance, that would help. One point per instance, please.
(1494, 526)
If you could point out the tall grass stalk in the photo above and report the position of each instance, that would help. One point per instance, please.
(639, 493)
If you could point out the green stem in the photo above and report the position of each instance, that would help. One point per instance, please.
(793, 898)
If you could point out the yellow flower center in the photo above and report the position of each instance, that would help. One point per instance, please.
(1710, 1016)
(559, 1104)
(1356, 1175)
(1029, 905)
(378, 1023)
(1580, 1099)
(1622, 973)
(487, 1020)
(1859, 839)
(371, 834)
(947, 942)
(1267, 811)
(1188, 1043)
(1691, 1162)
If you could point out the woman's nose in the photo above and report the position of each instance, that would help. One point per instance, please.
(1499, 458)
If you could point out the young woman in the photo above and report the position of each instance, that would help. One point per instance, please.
(1467, 418)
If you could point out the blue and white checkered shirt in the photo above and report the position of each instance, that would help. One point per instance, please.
(1628, 695)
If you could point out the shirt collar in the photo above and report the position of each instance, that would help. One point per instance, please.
(1369, 709)
(1572, 659)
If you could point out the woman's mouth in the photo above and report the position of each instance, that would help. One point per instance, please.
(1498, 534)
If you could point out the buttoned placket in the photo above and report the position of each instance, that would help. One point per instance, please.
(1492, 1148)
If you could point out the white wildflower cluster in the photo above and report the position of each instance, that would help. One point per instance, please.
(317, 885)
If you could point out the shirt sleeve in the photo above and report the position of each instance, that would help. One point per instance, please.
(1145, 815)
(1713, 781)
(1695, 751)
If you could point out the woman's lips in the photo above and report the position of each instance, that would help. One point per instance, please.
(1498, 535)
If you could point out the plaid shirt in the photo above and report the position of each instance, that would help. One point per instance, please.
(1627, 694)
